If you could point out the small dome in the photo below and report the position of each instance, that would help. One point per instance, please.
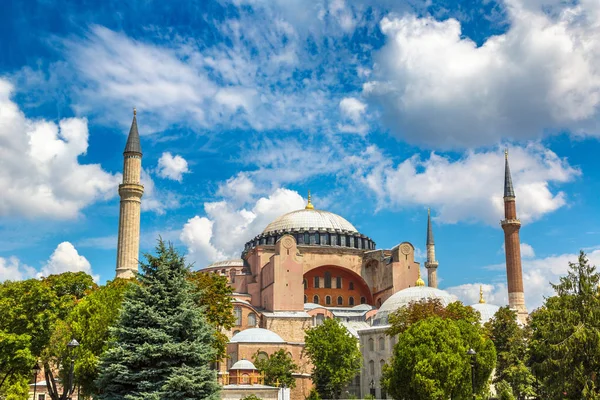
(309, 218)
(256, 335)
(487, 311)
(243, 364)
(406, 296)
(236, 262)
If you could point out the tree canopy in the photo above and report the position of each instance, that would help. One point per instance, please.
(278, 368)
(162, 346)
(335, 356)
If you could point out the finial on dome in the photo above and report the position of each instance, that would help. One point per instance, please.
(309, 205)
(420, 282)
(506, 154)
(481, 299)
(134, 111)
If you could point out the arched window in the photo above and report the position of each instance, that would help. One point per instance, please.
(363, 300)
(351, 301)
(251, 319)
(382, 343)
(245, 379)
(392, 341)
(223, 271)
(317, 238)
(338, 282)
(328, 300)
(306, 238)
(237, 313)
(371, 344)
(325, 238)
(305, 298)
(316, 299)
(316, 286)
(351, 286)
(305, 282)
(372, 367)
(319, 320)
(262, 356)
(339, 240)
(340, 301)
(381, 364)
(327, 280)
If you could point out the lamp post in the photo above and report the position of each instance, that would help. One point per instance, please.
(36, 370)
(372, 387)
(73, 344)
(472, 354)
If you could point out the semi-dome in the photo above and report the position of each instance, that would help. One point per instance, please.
(244, 365)
(256, 335)
(309, 219)
(406, 296)
(487, 311)
(234, 262)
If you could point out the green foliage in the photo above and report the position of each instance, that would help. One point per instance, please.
(251, 397)
(335, 356)
(564, 350)
(313, 395)
(214, 296)
(504, 391)
(162, 345)
(16, 360)
(278, 367)
(430, 360)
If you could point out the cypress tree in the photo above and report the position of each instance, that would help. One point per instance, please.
(161, 346)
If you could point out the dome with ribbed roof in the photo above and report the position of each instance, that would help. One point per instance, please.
(243, 365)
(406, 296)
(256, 335)
(309, 219)
(486, 311)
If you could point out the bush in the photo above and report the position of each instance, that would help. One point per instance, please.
(251, 397)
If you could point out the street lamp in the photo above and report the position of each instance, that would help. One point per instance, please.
(472, 354)
(36, 370)
(73, 344)
(372, 387)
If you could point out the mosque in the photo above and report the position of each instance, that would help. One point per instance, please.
(309, 265)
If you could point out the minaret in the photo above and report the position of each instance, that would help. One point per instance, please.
(512, 246)
(130, 191)
(431, 264)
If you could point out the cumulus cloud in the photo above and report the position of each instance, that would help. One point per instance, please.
(437, 88)
(470, 188)
(156, 200)
(526, 250)
(65, 258)
(226, 228)
(172, 167)
(11, 269)
(40, 174)
(538, 273)
(353, 111)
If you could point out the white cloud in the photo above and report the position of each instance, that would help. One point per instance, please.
(438, 88)
(537, 275)
(353, 110)
(11, 269)
(226, 228)
(156, 200)
(526, 250)
(238, 189)
(172, 167)
(65, 258)
(470, 188)
(40, 174)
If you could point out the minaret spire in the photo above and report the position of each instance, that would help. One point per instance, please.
(512, 247)
(130, 191)
(431, 264)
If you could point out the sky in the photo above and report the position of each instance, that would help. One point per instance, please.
(381, 108)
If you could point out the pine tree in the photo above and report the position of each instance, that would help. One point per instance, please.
(162, 345)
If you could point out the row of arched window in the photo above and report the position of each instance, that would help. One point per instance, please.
(372, 366)
(318, 238)
(327, 282)
(340, 300)
(237, 313)
(381, 341)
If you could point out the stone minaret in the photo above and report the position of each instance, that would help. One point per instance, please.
(512, 245)
(431, 264)
(131, 192)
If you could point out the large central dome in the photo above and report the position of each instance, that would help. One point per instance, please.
(309, 219)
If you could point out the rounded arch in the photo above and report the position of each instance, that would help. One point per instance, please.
(351, 284)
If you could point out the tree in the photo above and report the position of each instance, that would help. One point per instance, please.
(510, 340)
(16, 360)
(564, 350)
(162, 345)
(214, 295)
(251, 397)
(430, 361)
(335, 356)
(278, 368)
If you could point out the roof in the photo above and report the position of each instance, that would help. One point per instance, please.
(235, 262)
(406, 296)
(256, 335)
(309, 218)
(133, 140)
(243, 364)
(509, 191)
(486, 311)
(354, 326)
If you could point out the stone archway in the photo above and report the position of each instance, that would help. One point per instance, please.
(333, 285)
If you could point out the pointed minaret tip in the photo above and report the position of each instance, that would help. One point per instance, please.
(309, 205)
(420, 281)
(509, 191)
(481, 299)
(133, 140)
(429, 229)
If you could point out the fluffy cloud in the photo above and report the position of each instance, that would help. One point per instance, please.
(353, 110)
(156, 200)
(537, 275)
(40, 175)
(526, 250)
(11, 269)
(172, 167)
(65, 258)
(438, 88)
(226, 228)
(470, 188)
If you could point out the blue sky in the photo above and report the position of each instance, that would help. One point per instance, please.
(381, 108)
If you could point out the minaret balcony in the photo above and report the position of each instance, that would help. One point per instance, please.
(514, 221)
